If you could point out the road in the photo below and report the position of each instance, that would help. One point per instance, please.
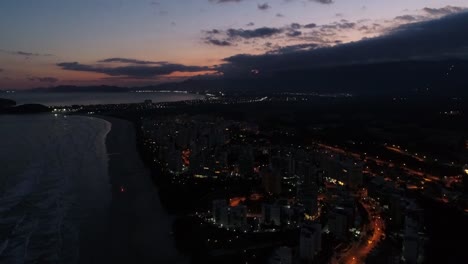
(360, 249)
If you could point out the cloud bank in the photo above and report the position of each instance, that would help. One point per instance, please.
(429, 40)
(131, 68)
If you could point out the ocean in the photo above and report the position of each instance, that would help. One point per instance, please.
(53, 176)
(68, 99)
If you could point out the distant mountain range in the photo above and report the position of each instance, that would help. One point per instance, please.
(87, 89)
(447, 77)
(4, 103)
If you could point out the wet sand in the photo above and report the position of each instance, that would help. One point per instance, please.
(139, 229)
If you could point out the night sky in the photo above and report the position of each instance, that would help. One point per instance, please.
(140, 42)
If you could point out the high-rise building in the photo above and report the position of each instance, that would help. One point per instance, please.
(246, 162)
(465, 177)
(308, 194)
(310, 242)
(174, 161)
(271, 181)
(338, 223)
(412, 242)
(220, 212)
(237, 216)
(229, 216)
(282, 255)
(271, 214)
(354, 174)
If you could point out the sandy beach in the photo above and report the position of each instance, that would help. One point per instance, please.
(139, 228)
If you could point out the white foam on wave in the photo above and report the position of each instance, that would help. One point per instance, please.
(55, 169)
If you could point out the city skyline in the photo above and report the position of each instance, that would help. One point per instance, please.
(136, 43)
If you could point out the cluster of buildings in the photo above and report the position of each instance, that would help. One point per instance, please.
(310, 244)
(202, 146)
(229, 216)
(294, 181)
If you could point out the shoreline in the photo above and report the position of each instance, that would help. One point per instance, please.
(139, 226)
(62, 99)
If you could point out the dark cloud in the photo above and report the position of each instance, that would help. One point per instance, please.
(296, 26)
(408, 18)
(327, 2)
(435, 39)
(311, 25)
(279, 15)
(26, 54)
(325, 35)
(294, 48)
(429, 13)
(217, 42)
(230, 36)
(255, 33)
(371, 28)
(293, 33)
(444, 10)
(251, 24)
(137, 71)
(264, 6)
(44, 79)
(339, 25)
(130, 61)
(213, 32)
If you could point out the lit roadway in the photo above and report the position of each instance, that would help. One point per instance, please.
(359, 250)
(446, 182)
(381, 162)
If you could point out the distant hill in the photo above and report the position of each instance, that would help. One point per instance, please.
(25, 109)
(4, 103)
(390, 78)
(8, 106)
